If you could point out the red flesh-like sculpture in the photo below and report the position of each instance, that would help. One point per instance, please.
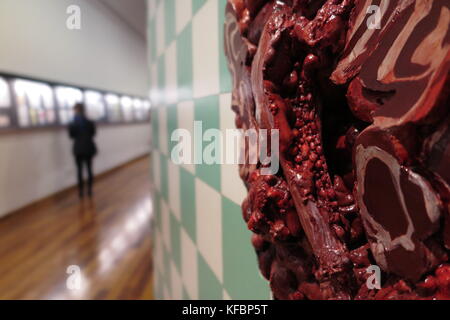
(363, 116)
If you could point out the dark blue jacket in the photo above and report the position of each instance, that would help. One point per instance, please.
(83, 131)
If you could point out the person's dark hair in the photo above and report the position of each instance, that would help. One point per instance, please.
(80, 108)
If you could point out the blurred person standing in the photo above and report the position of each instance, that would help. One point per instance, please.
(82, 131)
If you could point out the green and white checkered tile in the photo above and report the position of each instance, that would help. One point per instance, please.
(202, 248)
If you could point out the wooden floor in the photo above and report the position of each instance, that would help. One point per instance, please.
(108, 239)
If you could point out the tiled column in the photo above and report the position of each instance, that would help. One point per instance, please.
(202, 248)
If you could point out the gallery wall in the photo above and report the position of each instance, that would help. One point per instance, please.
(105, 54)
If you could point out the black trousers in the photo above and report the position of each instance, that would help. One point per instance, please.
(84, 161)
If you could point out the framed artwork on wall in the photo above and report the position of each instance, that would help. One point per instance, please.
(35, 105)
(32, 103)
(95, 105)
(113, 108)
(5, 104)
(127, 108)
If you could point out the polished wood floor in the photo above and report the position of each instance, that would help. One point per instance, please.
(108, 240)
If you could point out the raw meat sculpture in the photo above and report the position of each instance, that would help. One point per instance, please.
(359, 91)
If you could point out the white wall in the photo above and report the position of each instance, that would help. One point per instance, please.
(106, 54)
(33, 166)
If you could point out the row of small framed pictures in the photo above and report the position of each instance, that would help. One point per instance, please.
(26, 103)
